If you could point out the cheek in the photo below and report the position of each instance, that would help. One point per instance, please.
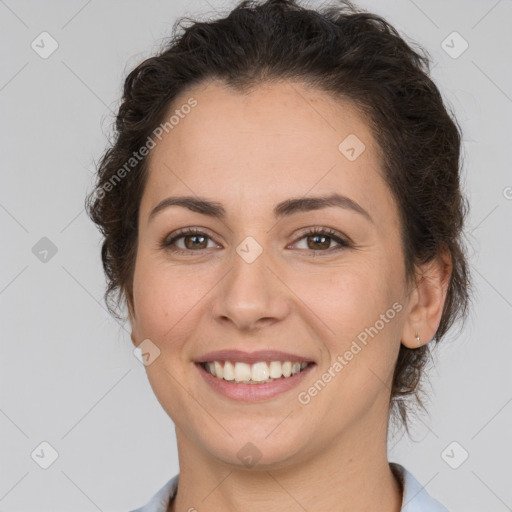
(166, 295)
(349, 297)
(358, 314)
(167, 302)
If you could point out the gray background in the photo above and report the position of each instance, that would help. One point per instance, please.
(68, 375)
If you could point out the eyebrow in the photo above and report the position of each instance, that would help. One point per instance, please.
(285, 208)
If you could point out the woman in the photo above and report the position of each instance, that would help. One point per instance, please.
(282, 216)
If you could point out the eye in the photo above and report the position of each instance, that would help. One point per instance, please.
(319, 240)
(193, 239)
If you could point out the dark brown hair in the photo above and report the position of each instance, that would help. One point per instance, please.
(344, 51)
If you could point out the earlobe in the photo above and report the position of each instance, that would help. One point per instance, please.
(430, 296)
(133, 324)
(133, 334)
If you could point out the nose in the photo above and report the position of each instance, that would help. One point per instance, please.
(251, 295)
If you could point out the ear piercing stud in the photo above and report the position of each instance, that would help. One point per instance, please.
(417, 337)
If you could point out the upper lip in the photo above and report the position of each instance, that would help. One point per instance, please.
(252, 357)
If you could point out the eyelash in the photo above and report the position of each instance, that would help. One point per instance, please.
(166, 244)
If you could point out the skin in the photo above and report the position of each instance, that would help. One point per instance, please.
(249, 152)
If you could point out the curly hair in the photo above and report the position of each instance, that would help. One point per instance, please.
(352, 55)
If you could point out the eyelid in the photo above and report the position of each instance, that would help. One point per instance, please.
(323, 230)
(342, 240)
(182, 233)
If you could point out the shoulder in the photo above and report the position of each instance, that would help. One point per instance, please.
(160, 501)
(415, 496)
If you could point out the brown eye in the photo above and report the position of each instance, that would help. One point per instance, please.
(193, 241)
(320, 240)
(189, 241)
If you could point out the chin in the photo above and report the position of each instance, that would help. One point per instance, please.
(256, 446)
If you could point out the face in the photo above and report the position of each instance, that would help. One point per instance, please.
(267, 279)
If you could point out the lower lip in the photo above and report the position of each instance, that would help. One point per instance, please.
(253, 392)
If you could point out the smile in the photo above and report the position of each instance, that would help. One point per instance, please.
(257, 373)
(255, 381)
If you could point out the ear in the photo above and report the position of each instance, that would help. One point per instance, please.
(133, 323)
(427, 301)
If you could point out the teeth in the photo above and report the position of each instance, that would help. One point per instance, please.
(256, 373)
(242, 372)
(275, 369)
(229, 371)
(295, 368)
(260, 372)
(219, 371)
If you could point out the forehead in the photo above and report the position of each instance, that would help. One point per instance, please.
(278, 140)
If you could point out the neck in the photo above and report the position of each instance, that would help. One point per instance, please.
(352, 475)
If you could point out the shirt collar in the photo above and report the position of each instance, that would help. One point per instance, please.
(415, 497)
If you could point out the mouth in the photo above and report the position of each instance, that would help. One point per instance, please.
(255, 376)
(261, 372)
